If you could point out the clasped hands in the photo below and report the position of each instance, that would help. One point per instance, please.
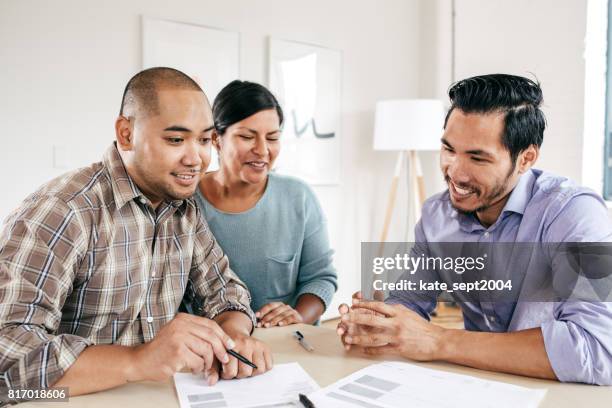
(381, 329)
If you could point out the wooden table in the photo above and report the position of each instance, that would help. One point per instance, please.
(328, 363)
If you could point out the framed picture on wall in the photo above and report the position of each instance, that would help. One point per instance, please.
(307, 81)
(208, 55)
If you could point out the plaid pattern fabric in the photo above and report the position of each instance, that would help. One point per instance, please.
(87, 260)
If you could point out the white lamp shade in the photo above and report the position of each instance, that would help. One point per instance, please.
(408, 124)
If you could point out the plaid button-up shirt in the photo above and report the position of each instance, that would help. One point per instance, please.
(87, 260)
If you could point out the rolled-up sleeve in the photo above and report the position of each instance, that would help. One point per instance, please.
(40, 250)
(33, 358)
(578, 342)
(216, 287)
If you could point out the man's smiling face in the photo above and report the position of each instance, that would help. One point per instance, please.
(171, 148)
(476, 165)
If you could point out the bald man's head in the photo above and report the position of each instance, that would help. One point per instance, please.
(141, 92)
(163, 133)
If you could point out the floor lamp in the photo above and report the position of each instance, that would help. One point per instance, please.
(407, 126)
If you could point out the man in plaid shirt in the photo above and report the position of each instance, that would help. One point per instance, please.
(94, 265)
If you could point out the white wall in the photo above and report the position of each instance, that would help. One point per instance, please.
(63, 66)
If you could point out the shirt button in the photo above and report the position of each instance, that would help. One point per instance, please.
(149, 319)
(492, 319)
(486, 234)
(142, 200)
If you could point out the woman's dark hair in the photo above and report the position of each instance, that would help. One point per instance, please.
(239, 100)
(517, 97)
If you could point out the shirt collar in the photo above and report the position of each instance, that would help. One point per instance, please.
(517, 202)
(124, 188)
(521, 195)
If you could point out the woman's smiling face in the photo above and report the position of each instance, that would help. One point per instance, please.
(249, 148)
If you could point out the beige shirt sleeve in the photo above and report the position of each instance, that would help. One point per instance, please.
(40, 249)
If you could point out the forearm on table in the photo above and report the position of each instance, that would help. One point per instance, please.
(521, 352)
(99, 368)
(234, 323)
(310, 307)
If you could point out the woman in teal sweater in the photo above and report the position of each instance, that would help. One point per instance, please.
(270, 226)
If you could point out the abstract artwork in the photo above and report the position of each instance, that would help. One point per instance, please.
(307, 81)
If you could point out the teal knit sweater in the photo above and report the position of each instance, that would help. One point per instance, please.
(279, 248)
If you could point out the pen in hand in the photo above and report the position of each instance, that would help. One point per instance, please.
(241, 358)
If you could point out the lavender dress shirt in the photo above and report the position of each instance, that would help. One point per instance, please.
(541, 208)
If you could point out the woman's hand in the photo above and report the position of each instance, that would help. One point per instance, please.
(277, 314)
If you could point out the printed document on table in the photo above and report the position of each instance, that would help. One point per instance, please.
(395, 384)
(278, 387)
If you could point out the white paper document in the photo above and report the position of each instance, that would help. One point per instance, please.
(277, 388)
(394, 384)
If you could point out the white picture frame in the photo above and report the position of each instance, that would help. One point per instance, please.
(306, 79)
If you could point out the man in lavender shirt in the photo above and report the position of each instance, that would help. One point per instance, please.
(492, 137)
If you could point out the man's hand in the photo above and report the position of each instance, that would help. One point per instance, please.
(346, 328)
(253, 349)
(392, 329)
(400, 331)
(277, 314)
(186, 341)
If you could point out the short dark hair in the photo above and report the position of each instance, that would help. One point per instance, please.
(518, 98)
(141, 90)
(240, 99)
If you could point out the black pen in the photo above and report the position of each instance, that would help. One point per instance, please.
(241, 358)
(300, 338)
(307, 403)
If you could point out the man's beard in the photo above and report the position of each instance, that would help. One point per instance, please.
(169, 194)
(490, 199)
(162, 189)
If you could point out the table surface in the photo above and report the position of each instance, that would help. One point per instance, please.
(327, 364)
